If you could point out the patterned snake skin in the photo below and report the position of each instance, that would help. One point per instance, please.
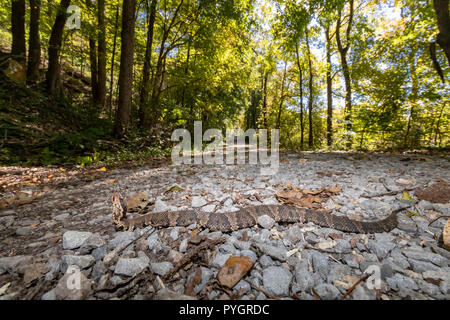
(246, 217)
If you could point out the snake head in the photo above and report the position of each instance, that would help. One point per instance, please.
(119, 209)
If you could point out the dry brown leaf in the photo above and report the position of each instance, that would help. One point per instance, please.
(34, 271)
(234, 270)
(137, 201)
(4, 288)
(346, 282)
(353, 243)
(335, 236)
(112, 181)
(437, 193)
(326, 245)
(446, 235)
(195, 280)
(336, 189)
(313, 192)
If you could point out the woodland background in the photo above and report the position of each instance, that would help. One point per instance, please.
(331, 75)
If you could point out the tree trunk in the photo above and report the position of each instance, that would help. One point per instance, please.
(54, 48)
(126, 68)
(264, 106)
(186, 70)
(111, 82)
(34, 43)
(300, 84)
(160, 67)
(413, 95)
(343, 50)
(93, 60)
(280, 108)
(101, 71)
(18, 31)
(94, 71)
(144, 113)
(329, 89)
(443, 22)
(310, 100)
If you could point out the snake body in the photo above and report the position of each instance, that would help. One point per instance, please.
(246, 217)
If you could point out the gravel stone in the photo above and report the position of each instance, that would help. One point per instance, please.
(74, 239)
(272, 251)
(327, 291)
(277, 280)
(250, 254)
(130, 266)
(198, 202)
(83, 262)
(266, 222)
(220, 259)
(161, 268)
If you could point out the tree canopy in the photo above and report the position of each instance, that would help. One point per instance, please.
(347, 74)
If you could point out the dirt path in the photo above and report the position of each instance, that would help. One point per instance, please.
(412, 264)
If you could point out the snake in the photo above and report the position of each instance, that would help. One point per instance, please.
(245, 218)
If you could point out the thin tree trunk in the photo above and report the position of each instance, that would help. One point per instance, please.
(101, 71)
(413, 96)
(144, 113)
(329, 89)
(111, 82)
(264, 106)
(93, 60)
(126, 68)
(54, 48)
(34, 43)
(280, 108)
(18, 31)
(160, 67)
(300, 78)
(94, 71)
(343, 50)
(310, 100)
(186, 70)
(438, 125)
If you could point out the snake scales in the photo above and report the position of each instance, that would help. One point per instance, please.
(246, 217)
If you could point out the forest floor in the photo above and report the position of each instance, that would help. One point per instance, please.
(53, 218)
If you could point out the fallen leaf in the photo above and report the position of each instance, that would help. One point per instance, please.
(405, 182)
(112, 181)
(335, 236)
(406, 196)
(4, 288)
(326, 245)
(336, 189)
(172, 189)
(346, 282)
(411, 213)
(101, 169)
(353, 243)
(436, 193)
(193, 281)
(137, 200)
(313, 192)
(234, 270)
(291, 252)
(195, 238)
(446, 235)
(34, 271)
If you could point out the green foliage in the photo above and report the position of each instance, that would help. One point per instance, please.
(214, 61)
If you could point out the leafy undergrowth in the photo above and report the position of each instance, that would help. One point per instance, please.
(37, 129)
